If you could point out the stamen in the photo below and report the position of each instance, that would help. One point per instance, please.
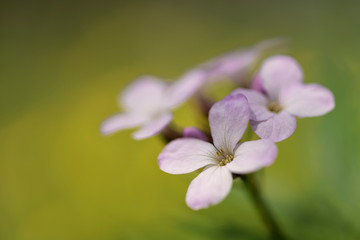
(274, 107)
(225, 160)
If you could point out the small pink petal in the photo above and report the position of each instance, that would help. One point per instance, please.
(228, 121)
(252, 156)
(153, 127)
(309, 100)
(235, 64)
(209, 188)
(259, 112)
(257, 104)
(119, 122)
(186, 155)
(193, 132)
(256, 84)
(278, 72)
(231, 65)
(277, 128)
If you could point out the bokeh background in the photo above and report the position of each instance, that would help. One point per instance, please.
(63, 64)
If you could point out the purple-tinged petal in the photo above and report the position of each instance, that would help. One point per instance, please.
(185, 87)
(307, 100)
(186, 155)
(231, 65)
(260, 112)
(228, 121)
(144, 96)
(234, 65)
(256, 84)
(193, 132)
(153, 127)
(253, 97)
(278, 72)
(252, 156)
(119, 122)
(209, 188)
(257, 104)
(277, 128)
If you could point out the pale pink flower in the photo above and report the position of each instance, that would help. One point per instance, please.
(236, 64)
(148, 102)
(228, 121)
(284, 97)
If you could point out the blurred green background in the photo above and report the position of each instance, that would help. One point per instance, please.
(62, 66)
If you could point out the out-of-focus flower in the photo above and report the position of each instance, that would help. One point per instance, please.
(228, 121)
(148, 102)
(236, 64)
(231, 66)
(272, 114)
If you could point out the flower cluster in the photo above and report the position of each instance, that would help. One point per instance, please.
(270, 102)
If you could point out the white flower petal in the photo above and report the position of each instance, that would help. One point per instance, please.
(307, 100)
(260, 112)
(228, 120)
(186, 155)
(153, 127)
(209, 188)
(252, 156)
(185, 87)
(119, 122)
(276, 128)
(144, 96)
(279, 71)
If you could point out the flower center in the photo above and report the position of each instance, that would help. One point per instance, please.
(274, 107)
(224, 158)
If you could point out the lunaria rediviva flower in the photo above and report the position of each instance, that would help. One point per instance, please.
(225, 156)
(284, 97)
(148, 102)
(238, 63)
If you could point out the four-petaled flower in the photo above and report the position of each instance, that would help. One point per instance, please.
(272, 114)
(148, 102)
(226, 156)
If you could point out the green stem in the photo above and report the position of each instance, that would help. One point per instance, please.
(170, 133)
(262, 207)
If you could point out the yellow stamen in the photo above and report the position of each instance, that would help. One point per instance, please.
(225, 160)
(274, 107)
